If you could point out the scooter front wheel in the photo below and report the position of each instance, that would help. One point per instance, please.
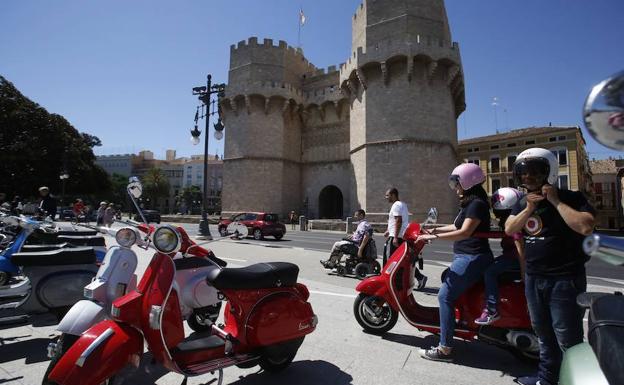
(374, 314)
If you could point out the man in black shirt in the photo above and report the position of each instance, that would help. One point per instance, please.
(554, 223)
(48, 203)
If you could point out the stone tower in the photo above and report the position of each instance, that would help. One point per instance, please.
(326, 142)
(405, 85)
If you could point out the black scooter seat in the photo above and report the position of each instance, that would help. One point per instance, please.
(31, 248)
(77, 232)
(257, 276)
(75, 256)
(78, 240)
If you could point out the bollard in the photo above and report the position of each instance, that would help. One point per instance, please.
(349, 223)
(303, 223)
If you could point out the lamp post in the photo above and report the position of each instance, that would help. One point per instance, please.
(63, 177)
(204, 94)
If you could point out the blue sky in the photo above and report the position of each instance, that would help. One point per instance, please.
(123, 70)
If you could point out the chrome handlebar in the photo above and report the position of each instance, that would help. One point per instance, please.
(607, 248)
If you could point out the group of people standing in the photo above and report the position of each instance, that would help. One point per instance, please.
(549, 224)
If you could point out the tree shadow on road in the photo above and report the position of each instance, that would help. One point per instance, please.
(474, 354)
(33, 350)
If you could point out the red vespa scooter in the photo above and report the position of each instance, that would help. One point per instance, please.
(383, 297)
(267, 317)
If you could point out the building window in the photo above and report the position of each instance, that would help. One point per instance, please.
(562, 137)
(496, 184)
(494, 147)
(562, 182)
(606, 187)
(598, 188)
(552, 139)
(511, 159)
(475, 161)
(562, 156)
(511, 145)
(470, 150)
(495, 164)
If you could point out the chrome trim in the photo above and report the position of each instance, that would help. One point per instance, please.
(94, 345)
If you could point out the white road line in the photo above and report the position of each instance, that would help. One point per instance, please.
(444, 252)
(616, 281)
(234, 259)
(334, 294)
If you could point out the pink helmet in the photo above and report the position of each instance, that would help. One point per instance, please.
(467, 175)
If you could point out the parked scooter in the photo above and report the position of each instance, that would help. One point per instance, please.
(116, 277)
(383, 297)
(266, 319)
(44, 281)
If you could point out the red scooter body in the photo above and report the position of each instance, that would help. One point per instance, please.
(382, 296)
(263, 325)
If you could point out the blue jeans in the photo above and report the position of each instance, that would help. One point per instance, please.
(556, 319)
(465, 270)
(490, 278)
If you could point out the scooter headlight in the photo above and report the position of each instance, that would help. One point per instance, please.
(167, 240)
(126, 237)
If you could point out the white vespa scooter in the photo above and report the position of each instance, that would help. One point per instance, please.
(199, 302)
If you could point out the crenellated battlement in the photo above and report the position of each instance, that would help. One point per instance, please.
(241, 53)
(429, 46)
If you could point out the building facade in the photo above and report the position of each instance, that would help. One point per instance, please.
(327, 142)
(607, 177)
(194, 176)
(497, 153)
(116, 164)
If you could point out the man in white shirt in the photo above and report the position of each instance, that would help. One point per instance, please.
(398, 219)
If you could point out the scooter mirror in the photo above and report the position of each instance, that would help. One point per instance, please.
(432, 216)
(603, 112)
(135, 188)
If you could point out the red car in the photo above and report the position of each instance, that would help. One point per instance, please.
(258, 224)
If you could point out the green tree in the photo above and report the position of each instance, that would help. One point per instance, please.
(37, 146)
(119, 194)
(188, 195)
(155, 185)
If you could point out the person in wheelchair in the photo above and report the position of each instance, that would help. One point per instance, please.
(355, 244)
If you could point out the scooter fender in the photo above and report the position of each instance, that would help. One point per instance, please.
(101, 352)
(374, 286)
(82, 316)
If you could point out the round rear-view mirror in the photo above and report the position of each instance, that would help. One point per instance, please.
(603, 112)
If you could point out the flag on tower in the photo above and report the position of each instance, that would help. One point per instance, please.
(302, 18)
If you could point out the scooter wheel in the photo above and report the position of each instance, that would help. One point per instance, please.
(277, 357)
(374, 314)
(340, 270)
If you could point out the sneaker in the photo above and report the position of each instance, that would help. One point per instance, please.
(422, 282)
(436, 354)
(487, 317)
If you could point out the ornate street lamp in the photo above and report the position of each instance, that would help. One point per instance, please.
(204, 94)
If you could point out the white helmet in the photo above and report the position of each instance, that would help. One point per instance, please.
(537, 162)
(505, 198)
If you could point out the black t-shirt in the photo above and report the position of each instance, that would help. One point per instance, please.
(476, 209)
(551, 247)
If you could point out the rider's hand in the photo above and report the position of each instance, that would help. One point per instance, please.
(386, 234)
(533, 200)
(395, 241)
(427, 237)
(550, 192)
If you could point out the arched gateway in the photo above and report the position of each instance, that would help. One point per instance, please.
(330, 203)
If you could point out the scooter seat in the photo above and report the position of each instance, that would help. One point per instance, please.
(31, 248)
(75, 256)
(77, 232)
(89, 240)
(40, 237)
(257, 276)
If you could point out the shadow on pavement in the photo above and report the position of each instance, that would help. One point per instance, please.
(300, 373)
(36, 320)
(473, 354)
(33, 350)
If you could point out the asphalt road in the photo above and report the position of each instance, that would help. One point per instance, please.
(441, 251)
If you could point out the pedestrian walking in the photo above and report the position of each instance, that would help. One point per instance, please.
(554, 223)
(292, 217)
(109, 215)
(100, 213)
(47, 203)
(398, 219)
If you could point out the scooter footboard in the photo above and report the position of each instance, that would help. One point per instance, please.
(101, 352)
(279, 317)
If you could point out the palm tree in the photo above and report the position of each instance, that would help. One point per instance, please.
(155, 185)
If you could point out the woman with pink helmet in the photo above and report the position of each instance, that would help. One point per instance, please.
(472, 255)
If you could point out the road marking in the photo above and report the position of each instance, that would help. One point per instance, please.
(234, 259)
(444, 252)
(616, 281)
(334, 294)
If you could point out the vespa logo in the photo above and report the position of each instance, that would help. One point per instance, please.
(303, 326)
